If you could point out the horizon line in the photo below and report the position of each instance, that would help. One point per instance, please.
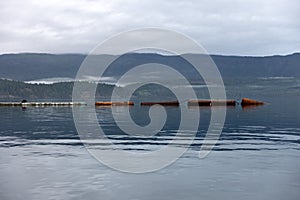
(155, 53)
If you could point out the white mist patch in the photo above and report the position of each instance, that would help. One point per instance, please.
(92, 79)
(50, 80)
(106, 80)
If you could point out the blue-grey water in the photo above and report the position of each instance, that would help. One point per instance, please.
(257, 156)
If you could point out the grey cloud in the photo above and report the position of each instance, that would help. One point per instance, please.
(222, 27)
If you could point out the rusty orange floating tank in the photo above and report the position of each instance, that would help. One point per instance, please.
(211, 103)
(162, 103)
(115, 103)
(251, 102)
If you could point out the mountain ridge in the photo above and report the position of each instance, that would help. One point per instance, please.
(33, 66)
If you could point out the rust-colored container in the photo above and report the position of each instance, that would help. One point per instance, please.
(251, 102)
(211, 103)
(162, 103)
(115, 103)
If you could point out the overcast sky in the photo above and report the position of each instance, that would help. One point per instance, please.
(229, 27)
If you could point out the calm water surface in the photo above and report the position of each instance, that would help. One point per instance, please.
(257, 156)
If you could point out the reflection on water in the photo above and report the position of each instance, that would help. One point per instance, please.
(257, 156)
(252, 130)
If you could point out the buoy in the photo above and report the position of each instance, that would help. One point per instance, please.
(211, 103)
(251, 102)
(117, 103)
(162, 103)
